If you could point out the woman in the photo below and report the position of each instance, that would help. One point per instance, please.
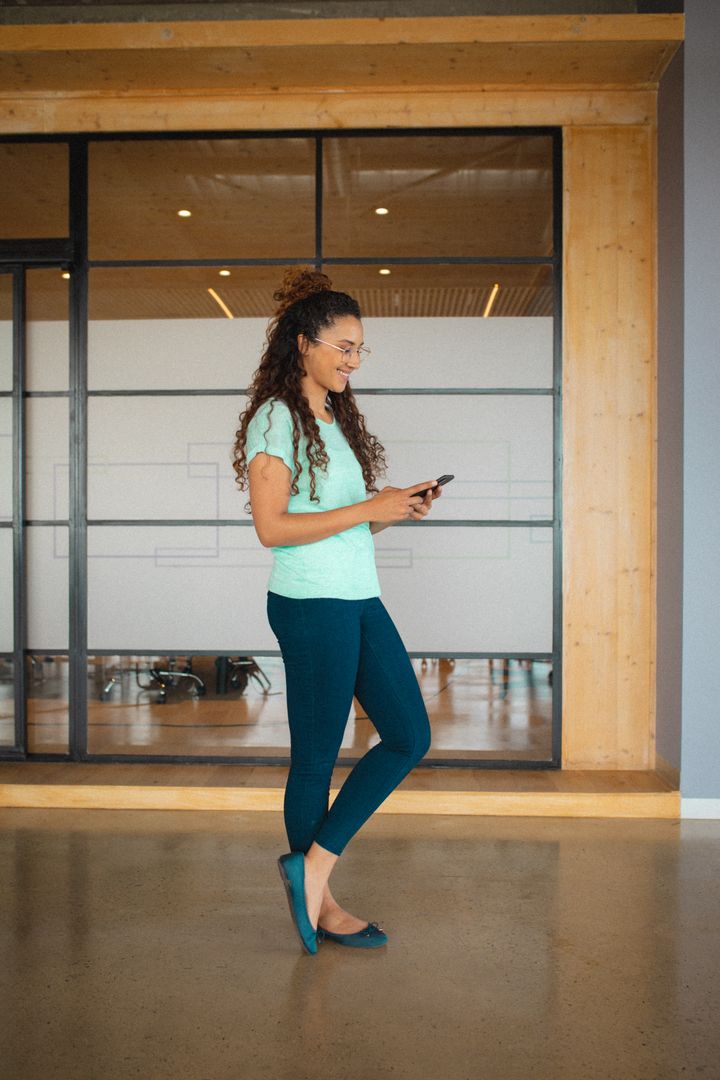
(303, 446)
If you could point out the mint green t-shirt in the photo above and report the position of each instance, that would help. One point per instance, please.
(340, 566)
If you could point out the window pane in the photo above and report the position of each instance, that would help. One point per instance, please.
(247, 198)
(48, 347)
(457, 353)
(163, 457)
(447, 291)
(47, 587)
(155, 588)
(237, 706)
(204, 589)
(487, 589)
(47, 693)
(6, 459)
(184, 704)
(7, 630)
(7, 701)
(478, 709)
(34, 190)
(463, 195)
(160, 327)
(170, 457)
(47, 469)
(499, 450)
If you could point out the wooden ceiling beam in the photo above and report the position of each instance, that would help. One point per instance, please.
(290, 33)
(334, 72)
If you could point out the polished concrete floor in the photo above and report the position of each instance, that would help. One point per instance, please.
(159, 945)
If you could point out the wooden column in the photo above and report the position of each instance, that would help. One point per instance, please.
(608, 443)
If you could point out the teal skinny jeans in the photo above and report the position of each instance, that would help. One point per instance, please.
(334, 649)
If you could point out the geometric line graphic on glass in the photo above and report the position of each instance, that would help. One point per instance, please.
(498, 481)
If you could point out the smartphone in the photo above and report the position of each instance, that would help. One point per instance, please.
(445, 479)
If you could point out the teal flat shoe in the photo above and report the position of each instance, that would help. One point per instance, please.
(292, 872)
(369, 938)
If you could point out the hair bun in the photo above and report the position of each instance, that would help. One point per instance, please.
(298, 283)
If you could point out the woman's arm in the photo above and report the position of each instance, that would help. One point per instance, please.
(269, 478)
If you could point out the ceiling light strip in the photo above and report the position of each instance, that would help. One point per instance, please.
(491, 300)
(221, 303)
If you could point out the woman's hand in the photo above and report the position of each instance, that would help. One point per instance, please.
(398, 504)
(422, 508)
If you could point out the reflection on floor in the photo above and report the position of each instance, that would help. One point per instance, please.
(477, 708)
(149, 944)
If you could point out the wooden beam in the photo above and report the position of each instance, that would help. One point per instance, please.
(291, 33)
(307, 110)
(609, 431)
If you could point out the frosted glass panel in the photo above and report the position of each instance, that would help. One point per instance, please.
(47, 469)
(6, 590)
(455, 353)
(185, 589)
(47, 587)
(170, 457)
(178, 589)
(150, 354)
(181, 354)
(469, 590)
(47, 355)
(498, 448)
(163, 458)
(6, 457)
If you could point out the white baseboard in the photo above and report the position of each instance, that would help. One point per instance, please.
(700, 808)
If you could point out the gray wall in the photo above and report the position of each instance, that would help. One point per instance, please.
(700, 775)
(670, 412)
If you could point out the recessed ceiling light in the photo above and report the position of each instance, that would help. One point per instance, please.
(66, 274)
(224, 273)
(384, 272)
(184, 213)
(381, 210)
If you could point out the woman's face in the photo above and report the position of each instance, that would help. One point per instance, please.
(324, 361)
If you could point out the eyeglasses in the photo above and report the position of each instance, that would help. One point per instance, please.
(363, 351)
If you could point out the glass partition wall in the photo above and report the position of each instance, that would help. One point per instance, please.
(135, 583)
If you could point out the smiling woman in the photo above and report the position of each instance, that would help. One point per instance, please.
(324, 590)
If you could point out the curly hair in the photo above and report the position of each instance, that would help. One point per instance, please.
(307, 304)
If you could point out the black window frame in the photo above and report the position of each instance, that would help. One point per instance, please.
(71, 253)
